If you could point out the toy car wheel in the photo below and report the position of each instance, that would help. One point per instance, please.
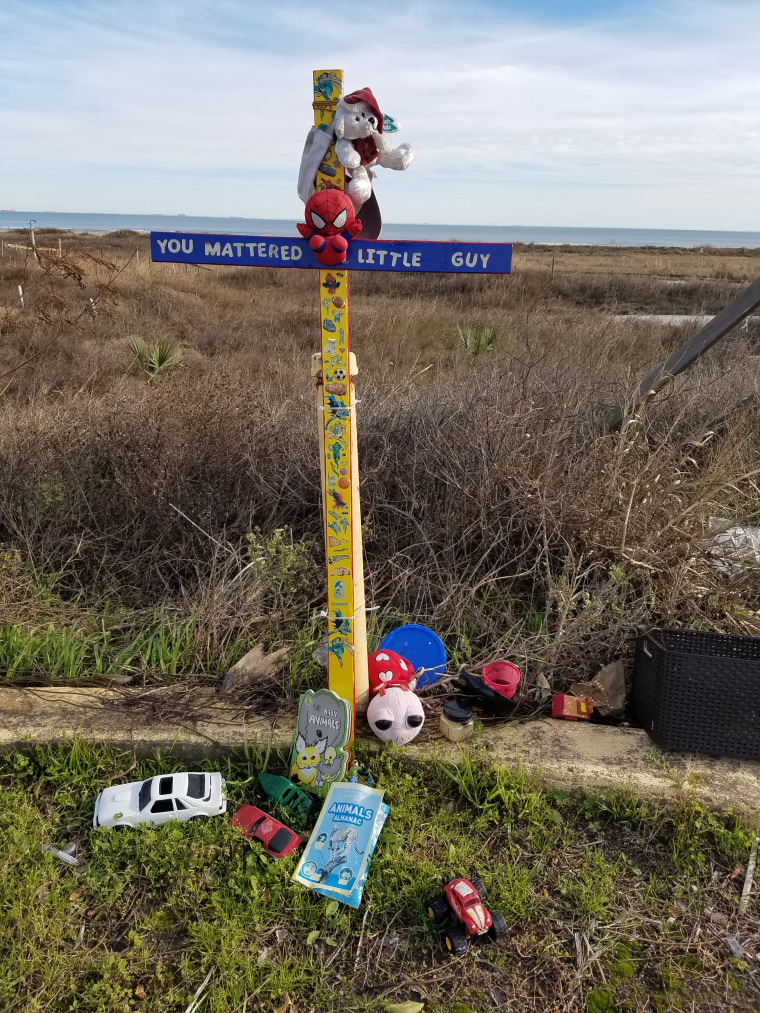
(121, 826)
(480, 886)
(438, 908)
(456, 942)
(498, 928)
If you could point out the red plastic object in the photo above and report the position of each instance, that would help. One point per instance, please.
(274, 837)
(466, 903)
(502, 677)
(571, 708)
(329, 225)
(386, 669)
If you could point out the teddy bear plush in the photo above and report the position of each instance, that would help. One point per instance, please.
(361, 144)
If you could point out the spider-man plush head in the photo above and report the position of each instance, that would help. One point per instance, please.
(329, 212)
(330, 223)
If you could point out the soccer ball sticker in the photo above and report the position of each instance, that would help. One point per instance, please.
(340, 374)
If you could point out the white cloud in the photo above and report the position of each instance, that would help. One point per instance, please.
(651, 118)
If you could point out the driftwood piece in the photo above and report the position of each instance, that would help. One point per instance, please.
(255, 667)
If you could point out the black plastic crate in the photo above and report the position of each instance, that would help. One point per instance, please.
(699, 692)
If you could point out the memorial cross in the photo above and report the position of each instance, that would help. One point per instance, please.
(347, 648)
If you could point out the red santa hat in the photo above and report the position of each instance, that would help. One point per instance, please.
(365, 95)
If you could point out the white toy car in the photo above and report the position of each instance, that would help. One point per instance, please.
(161, 798)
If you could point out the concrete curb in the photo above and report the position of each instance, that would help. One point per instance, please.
(565, 756)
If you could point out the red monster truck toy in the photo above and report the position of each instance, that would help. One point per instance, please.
(465, 899)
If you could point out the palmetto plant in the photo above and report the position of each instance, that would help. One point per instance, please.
(152, 360)
(477, 339)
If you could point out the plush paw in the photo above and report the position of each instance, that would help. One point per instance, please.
(359, 190)
(347, 154)
(397, 158)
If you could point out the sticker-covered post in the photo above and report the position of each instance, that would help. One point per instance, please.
(336, 404)
(341, 233)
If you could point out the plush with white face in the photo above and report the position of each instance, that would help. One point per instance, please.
(355, 120)
(361, 144)
(395, 716)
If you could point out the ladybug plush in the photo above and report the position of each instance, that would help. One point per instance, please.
(330, 223)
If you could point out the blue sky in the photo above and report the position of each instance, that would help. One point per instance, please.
(551, 112)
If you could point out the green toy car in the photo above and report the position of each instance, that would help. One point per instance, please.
(286, 793)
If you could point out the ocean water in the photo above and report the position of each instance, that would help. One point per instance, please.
(102, 223)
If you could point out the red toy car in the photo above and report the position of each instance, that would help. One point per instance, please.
(465, 899)
(274, 837)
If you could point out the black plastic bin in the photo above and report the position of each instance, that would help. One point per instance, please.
(699, 692)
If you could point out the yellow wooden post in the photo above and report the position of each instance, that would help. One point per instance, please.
(347, 641)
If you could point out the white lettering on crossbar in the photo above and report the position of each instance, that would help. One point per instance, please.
(269, 251)
(470, 259)
(265, 251)
(174, 245)
(416, 260)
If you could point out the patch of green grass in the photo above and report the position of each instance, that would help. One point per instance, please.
(623, 967)
(592, 886)
(50, 630)
(162, 642)
(599, 1000)
(694, 832)
(60, 653)
(152, 912)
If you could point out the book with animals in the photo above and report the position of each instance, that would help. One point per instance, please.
(335, 859)
(319, 756)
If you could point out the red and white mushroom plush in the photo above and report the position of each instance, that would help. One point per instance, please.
(386, 669)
